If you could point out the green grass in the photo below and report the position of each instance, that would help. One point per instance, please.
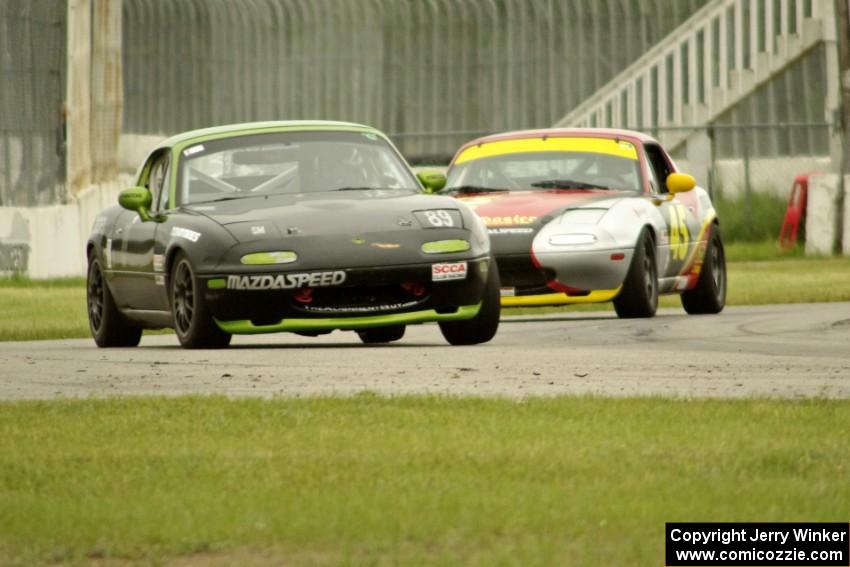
(37, 311)
(411, 480)
(759, 220)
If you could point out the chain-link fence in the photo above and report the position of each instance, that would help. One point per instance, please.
(32, 91)
(735, 160)
(404, 66)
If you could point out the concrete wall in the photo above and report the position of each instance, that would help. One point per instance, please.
(820, 215)
(54, 236)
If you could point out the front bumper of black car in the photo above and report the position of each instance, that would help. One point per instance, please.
(355, 298)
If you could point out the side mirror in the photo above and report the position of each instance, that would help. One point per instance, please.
(680, 182)
(432, 181)
(137, 199)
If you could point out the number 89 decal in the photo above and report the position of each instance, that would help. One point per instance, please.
(439, 218)
(680, 237)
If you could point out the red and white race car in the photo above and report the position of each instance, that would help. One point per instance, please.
(592, 215)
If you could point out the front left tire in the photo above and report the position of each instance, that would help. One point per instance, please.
(484, 325)
(639, 296)
(108, 326)
(193, 323)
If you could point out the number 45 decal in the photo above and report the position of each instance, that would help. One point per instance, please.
(679, 235)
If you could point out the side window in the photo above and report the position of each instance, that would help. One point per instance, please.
(158, 181)
(659, 168)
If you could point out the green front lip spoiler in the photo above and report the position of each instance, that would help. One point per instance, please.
(243, 327)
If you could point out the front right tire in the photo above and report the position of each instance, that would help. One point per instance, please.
(108, 326)
(709, 295)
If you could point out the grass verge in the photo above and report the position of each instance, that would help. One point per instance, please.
(411, 480)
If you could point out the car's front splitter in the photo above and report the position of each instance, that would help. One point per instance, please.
(245, 327)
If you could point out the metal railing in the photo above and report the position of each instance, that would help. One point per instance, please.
(723, 54)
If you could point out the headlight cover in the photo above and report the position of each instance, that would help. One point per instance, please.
(577, 239)
(269, 258)
(445, 246)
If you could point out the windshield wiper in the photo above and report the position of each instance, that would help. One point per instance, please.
(476, 189)
(220, 199)
(566, 184)
(356, 188)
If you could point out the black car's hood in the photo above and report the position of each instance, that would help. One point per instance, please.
(332, 212)
(341, 229)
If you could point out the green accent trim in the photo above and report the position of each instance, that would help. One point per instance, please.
(445, 246)
(269, 258)
(348, 323)
(217, 283)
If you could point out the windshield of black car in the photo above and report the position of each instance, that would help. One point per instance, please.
(530, 171)
(289, 162)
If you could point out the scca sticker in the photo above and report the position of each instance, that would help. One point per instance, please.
(448, 271)
(286, 281)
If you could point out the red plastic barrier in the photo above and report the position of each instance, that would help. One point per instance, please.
(795, 213)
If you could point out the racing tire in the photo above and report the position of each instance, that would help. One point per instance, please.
(380, 335)
(639, 296)
(108, 326)
(193, 323)
(709, 295)
(484, 325)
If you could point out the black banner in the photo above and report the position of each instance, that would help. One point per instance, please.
(692, 544)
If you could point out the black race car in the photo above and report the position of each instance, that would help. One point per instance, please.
(287, 226)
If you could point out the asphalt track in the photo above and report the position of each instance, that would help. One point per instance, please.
(788, 351)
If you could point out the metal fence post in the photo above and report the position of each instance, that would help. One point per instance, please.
(712, 160)
(748, 205)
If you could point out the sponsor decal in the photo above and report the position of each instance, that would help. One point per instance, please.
(107, 254)
(158, 263)
(193, 150)
(159, 280)
(385, 245)
(180, 232)
(508, 291)
(286, 281)
(503, 230)
(513, 220)
(360, 308)
(608, 146)
(258, 230)
(448, 271)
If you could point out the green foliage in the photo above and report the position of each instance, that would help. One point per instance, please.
(412, 480)
(753, 219)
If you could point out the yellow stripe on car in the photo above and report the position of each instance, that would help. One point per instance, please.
(596, 296)
(688, 266)
(607, 146)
